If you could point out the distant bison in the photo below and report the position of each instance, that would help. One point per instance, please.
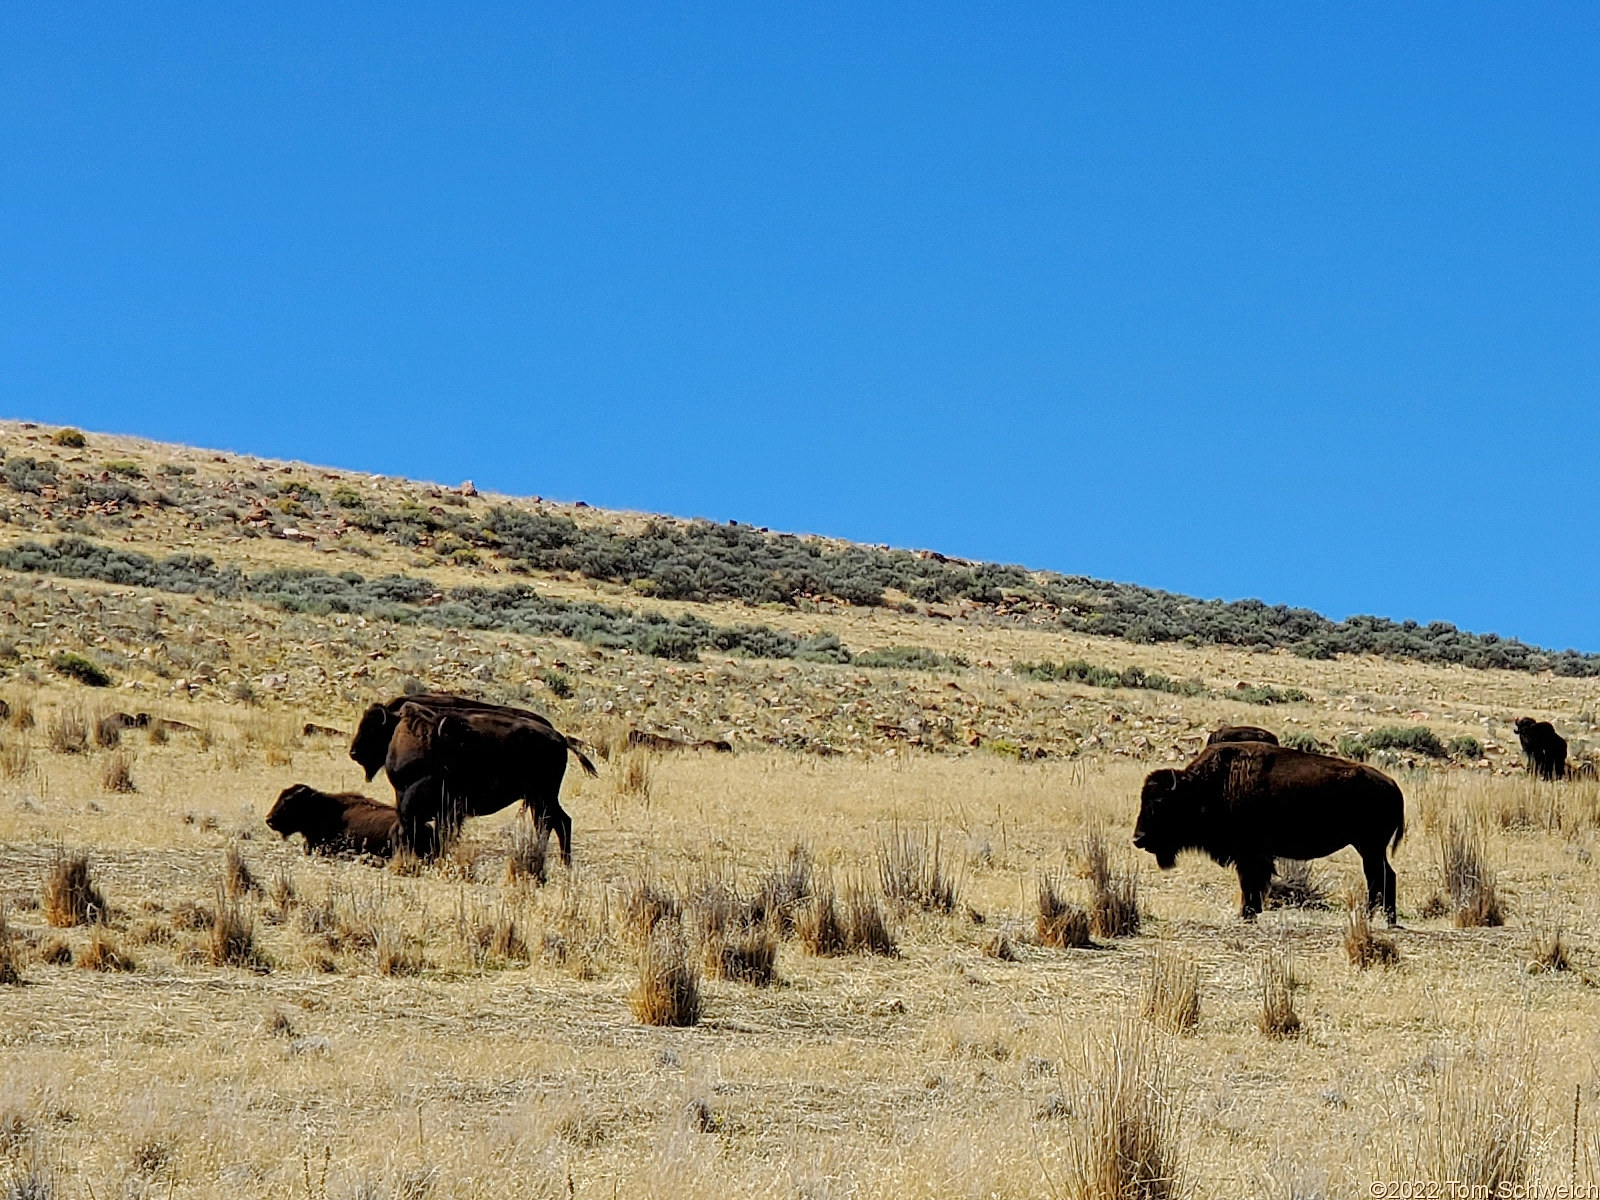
(639, 739)
(1543, 747)
(1242, 733)
(1248, 803)
(337, 821)
(449, 764)
(309, 729)
(370, 745)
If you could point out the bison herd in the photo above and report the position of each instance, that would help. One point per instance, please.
(1245, 800)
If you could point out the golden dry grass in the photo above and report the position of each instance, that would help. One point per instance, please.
(466, 1028)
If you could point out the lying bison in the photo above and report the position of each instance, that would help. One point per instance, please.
(1242, 733)
(340, 821)
(638, 739)
(1543, 747)
(447, 764)
(1248, 803)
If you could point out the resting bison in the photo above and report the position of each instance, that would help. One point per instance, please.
(311, 729)
(1247, 803)
(370, 746)
(1543, 747)
(340, 821)
(1242, 733)
(452, 763)
(639, 739)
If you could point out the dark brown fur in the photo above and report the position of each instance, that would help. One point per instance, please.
(446, 765)
(1242, 733)
(312, 730)
(370, 745)
(1248, 803)
(1544, 748)
(339, 821)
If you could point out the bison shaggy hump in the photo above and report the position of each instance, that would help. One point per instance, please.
(1242, 733)
(1248, 803)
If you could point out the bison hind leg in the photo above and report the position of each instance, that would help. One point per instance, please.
(1380, 883)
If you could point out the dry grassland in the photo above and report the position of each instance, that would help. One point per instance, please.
(235, 1018)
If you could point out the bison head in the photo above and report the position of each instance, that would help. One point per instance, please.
(370, 746)
(1162, 823)
(289, 810)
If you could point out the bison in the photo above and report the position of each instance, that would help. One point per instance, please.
(1248, 803)
(638, 739)
(1242, 733)
(1543, 747)
(345, 821)
(451, 763)
(370, 745)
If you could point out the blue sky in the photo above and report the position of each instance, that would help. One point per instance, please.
(1296, 302)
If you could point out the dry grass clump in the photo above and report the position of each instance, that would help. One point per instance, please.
(526, 862)
(1362, 945)
(1469, 881)
(635, 775)
(1060, 923)
(232, 938)
(396, 952)
(1278, 1018)
(1127, 1149)
(282, 894)
(21, 715)
(1549, 950)
(10, 958)
(237, 879)
(68, 731)
(912, 871)
(578, 933)
(117, 774)
(852, 924)
(999, 946)
(1172, 993)
(650, 903)
(70, 896)
(668, 988)
(494, 936)
(108, 732)
(1113, 894)
(1294, 884)
(746, 955)
(103, 954)
(783, 891)
(1482, 1131)
(16, 756)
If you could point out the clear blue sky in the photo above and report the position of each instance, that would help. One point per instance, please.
(1288, 301)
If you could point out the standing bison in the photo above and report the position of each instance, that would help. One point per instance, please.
(1248, 803)
(1543, 747)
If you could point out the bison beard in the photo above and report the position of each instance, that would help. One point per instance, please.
(1248, 803)
(1544, 748)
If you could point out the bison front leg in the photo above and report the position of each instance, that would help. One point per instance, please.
(418, 804)
(1254, 875)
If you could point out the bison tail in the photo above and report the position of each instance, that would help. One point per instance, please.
(1399, 831)
(583, 759)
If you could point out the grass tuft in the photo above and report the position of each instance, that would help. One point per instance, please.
(1469, 880)
(1362, 944)
(70, 895)
(116, 776)
(1113, 894)
(1128, 1147)
(912, 871)
(1277, 1019)
(103, 954)
(1172, 993)
(1060, 923)
(667, 991)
